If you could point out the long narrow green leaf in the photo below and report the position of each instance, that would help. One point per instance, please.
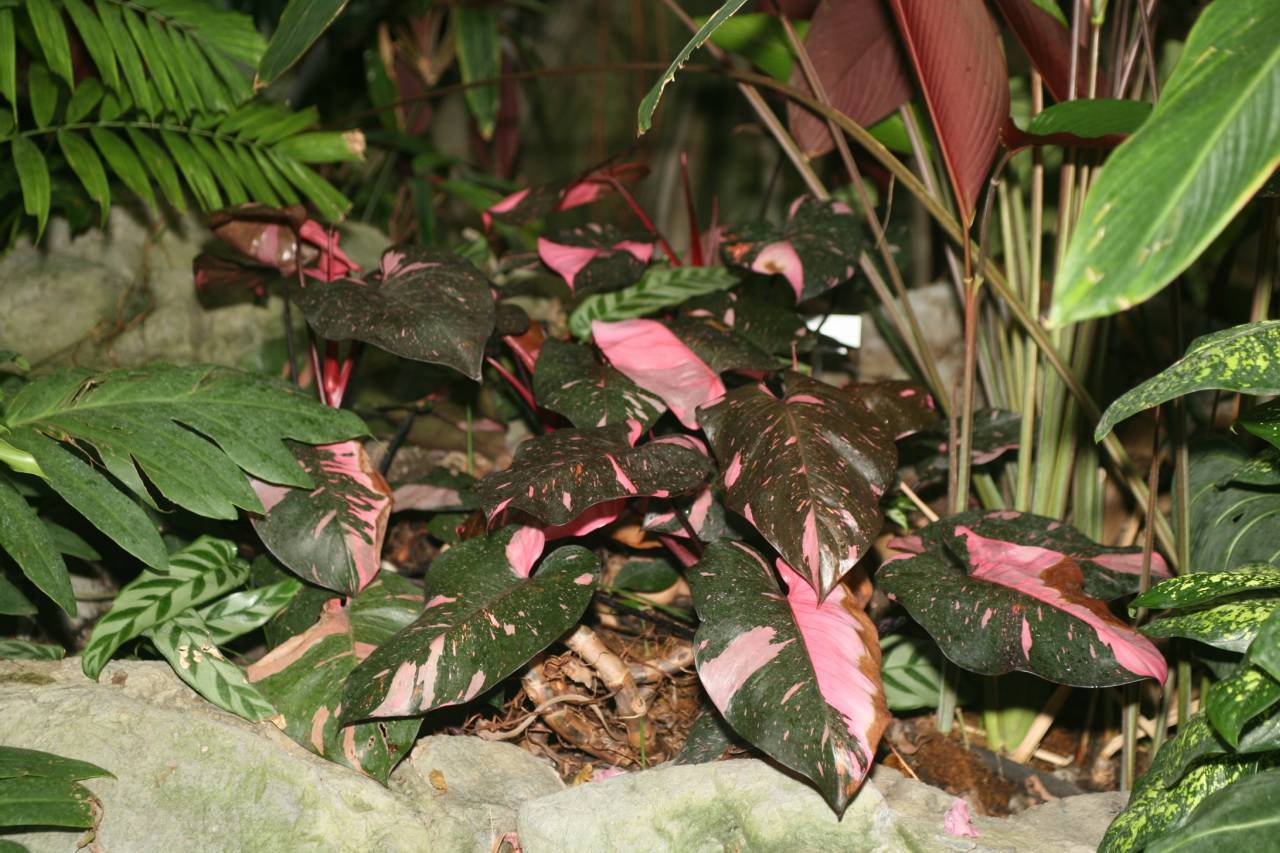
(86, 96)
(160, 167)
(93, 35)
(157, 73)
(12, 601)
(650, 102)
(124, 163)
(28, 542)
(130, 62)
(85, 163)
(36, 801)
(8, 58)
(33, 176)
(51, 33)
(480, 58)
(1164, 195)
(94, 497)
(42, 91)
(301, 23)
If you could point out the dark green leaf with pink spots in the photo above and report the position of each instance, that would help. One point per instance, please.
(806, 468)
(570, 380)
(487, 613)
(422, 304)
(995, 606)
(558, 476)
(798, 678)
(303, 676)
(815, 251)
(720, 346)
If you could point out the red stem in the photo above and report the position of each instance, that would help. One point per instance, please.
(695, 231)
(643, 217)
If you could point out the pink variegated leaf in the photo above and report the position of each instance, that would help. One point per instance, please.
(595, 258)
(797, 677)
(1110, 572)
(806, 468)
(995, 433)
(570, 380)
(423, 304)
(651, 356)
(303, 677)
(488, 611)
(815, 251)
(905, 407)
(994, 606)
(537, 202)
(959, 61)
(330, 535)
(557, 477)
(854, 49)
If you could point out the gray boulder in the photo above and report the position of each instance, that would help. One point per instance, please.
(749, 805)
(191, 777)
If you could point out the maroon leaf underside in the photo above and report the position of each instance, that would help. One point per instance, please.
(855, 52)
(956, 51)
(806, 468)
(1047, 44)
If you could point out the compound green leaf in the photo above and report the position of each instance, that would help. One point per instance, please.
(301, 23)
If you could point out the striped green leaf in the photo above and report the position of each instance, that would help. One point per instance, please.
(1168, 191)
(28, 650)
(910, 671)
(198, 573)
(241, 612)
(660, 287)
(186, 643)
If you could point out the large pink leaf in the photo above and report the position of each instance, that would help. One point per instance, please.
(855, 51)
(995, 605)
(650, 355)
(797, 677)
(1047, 43)
(955, 48)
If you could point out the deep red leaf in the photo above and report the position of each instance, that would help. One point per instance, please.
(1048, 45)
(955, 48)
(855, 51)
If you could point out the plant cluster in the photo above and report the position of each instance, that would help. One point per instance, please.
(686, 396)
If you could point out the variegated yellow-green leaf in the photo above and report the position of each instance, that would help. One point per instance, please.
(1230, 625)
(1164, 195)
(1202, 587)
(1236, 818)
(199, 572)
(1238, 698)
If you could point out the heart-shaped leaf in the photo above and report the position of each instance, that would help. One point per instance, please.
(190, 430)
(815, 251)
(185, 642)
(807, 469)
(650, 355)
(660, 287)
(850, 43)
(198, 573)
(595, 258)
(571, 381)
(995, 433)
(1170, 190)
(557, 477)
(423, 304)
(330, 535)
(487, 613)
(765, 319)
(1236, 359)
(1109, 572)
(997, 606)
(303, 676)
(905, 407)
(797, 677)
(955, 48)
(719, 346)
